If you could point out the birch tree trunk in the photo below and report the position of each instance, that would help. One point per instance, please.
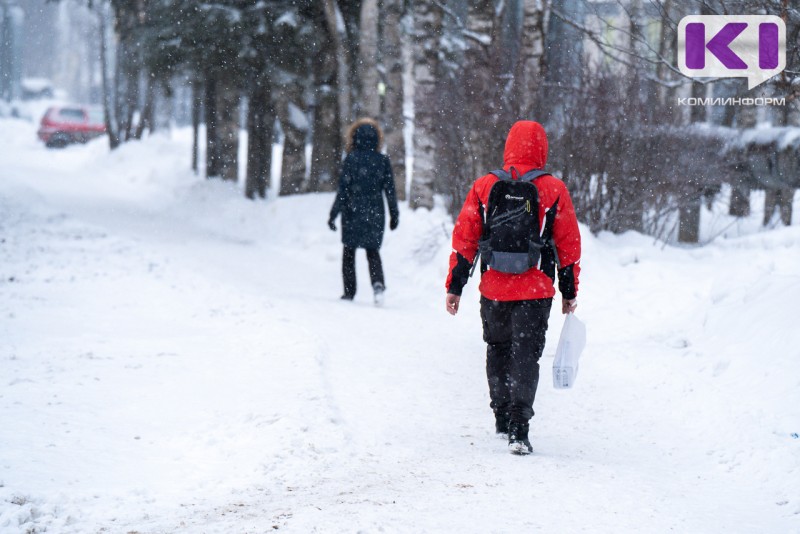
(394, 118)
(507, 36)
(635, 175)
(563, 61)
(461, 103)
(368, 60)
(336, 27)
(500, 61)
(483, 90)
(427, 30)
(530, 66)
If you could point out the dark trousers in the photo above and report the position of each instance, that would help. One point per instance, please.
(349, 269)
(515, 333)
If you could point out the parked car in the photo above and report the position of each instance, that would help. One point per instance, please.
(63, 125)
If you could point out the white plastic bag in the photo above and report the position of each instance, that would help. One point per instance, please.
(570, 346)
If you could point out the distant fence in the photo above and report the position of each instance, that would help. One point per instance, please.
(766, 159)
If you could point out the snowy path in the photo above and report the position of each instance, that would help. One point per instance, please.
(174, 358)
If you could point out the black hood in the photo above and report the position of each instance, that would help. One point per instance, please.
(365, 138)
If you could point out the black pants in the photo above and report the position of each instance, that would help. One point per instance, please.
(515, 334)
(349, 269)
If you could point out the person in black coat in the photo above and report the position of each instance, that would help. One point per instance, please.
(365, 177)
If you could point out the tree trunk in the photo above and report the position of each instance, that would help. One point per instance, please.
(563, 63)
(689, 206)
(327, 141)
(228, 127)
(197, 104)
(294, 124)
(368, 59)
(689, 223)
(112, 128)
(507, 36)
(724, 115)
(148, 111)
(336, 28)
(119, 111)
(260, 119)
(698, 113)
(530, 66)
(213, 167)
(667, 49)
(505, 59)
(326, 131)
(469, 93)
(394, 119)
(739, 205)
(132, 75)
(427, 30)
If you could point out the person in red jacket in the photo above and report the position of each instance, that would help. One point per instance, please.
(515, 307)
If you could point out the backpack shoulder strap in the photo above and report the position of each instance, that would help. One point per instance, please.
(529, 176)
(500, 173)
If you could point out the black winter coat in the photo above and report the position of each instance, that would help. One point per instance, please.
(366, 176)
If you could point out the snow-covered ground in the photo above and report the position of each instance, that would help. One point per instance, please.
(175, 358)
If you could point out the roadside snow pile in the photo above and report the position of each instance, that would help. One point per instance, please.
(175, 357)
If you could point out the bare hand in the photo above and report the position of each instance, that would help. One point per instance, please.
(568, 305)
(452, 303)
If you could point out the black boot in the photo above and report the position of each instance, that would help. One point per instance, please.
(501, 422)
(518, 438)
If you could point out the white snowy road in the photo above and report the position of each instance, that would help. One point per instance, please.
(174, 358)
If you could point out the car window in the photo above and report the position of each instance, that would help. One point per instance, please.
(71, 115)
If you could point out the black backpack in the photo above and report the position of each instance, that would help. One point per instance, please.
(512, 239)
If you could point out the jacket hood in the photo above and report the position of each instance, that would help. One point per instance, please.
(526, 146)
(364, 134)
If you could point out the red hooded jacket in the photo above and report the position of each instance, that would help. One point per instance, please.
(526, 149)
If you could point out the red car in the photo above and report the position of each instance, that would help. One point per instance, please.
(64, 125)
